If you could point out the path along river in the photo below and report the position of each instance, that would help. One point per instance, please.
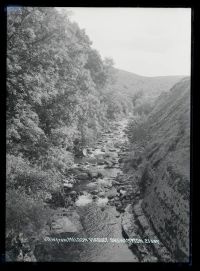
(96, 211)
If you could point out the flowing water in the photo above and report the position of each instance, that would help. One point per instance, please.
(98, 218)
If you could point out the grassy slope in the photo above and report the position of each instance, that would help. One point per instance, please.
(129, 83)
(165, 169)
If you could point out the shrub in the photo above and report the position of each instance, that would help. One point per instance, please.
(59, 159)
(139, 131)
(143, 108)
(25, 213)
(21, 174)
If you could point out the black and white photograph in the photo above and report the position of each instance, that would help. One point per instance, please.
(98, 103)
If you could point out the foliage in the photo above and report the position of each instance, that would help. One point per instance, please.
(139, 131)
(137, 96)
(58, 92)
(25, 214)
(143, 108)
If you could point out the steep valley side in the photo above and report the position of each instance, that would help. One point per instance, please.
(162, 171)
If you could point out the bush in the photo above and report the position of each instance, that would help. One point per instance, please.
(143, 108)
(21, 174)
(139, 131)
(59, 159)
(25, 214)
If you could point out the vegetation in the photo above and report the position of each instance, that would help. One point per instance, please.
(136, 86)
(161, 163)
(58, 100)
(60, 96)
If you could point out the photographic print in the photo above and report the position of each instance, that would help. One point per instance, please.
(98, 134)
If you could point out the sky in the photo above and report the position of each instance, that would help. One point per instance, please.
(145, 41)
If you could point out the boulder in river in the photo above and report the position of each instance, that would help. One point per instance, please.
(122, 192)
(105, 183)
(92, 185)
(111, 193)
(84, 152)
(101, 194)
(72, 193)
(95, 174)
(94, 192)
(102, 202)
(82, 176)
(91, 160)
(68, 185)
(84, 200)
(100, 161)
(117, 145)
(63, 224)
(29, 257)
(89, 150)
(121, 160)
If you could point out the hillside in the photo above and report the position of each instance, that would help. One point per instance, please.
(130, 83)
(163, 169)
(65, 144)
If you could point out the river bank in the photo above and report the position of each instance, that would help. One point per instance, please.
(95, 200)
(102, 199)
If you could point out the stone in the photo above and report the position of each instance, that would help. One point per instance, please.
(100, 162)
(29, 257)
(122, 192)
(84, 151)
(116, 183)
(63, 224)
(83, 200)
(89, 151)
(143, 222)
(93, 180)
(68, 185)
(120, 209)
(73, 193)
(74, 171)
(101, 194)
(109, 163)
(48, 197)
(120, 160)
(111, 193)
(20, 256)
(92, 160)
(94, 192)
(83, 176)
(137, 209)
(100, 174)
(92, 185)
(104, 182)
(81, 193)
(102, 202)
(117, 145)
(93, 174)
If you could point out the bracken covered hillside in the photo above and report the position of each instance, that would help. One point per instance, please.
(164, 171)
(151, 87)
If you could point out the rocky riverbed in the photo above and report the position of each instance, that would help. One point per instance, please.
(98, 201)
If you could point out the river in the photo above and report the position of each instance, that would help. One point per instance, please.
(95, 208)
